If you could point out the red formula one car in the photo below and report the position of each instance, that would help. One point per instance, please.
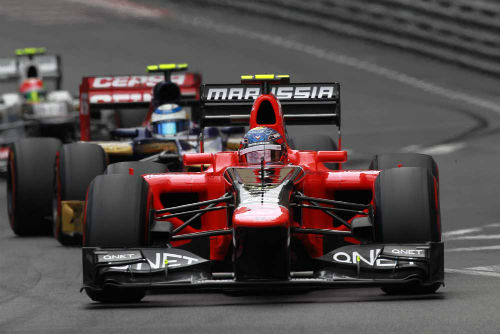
(266, 217)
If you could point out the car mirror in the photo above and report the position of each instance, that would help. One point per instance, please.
(198, 159)
(332, 156)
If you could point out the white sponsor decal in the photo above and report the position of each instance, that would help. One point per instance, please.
(120, 98)
(134, 81)
(281, 92)
(355, 257)
(120, 257)
(407, 251)
(163, 260)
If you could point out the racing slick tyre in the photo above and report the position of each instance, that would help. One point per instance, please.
(316, 142)
(136, 167)
(78, 164)
(30, 184)
(386, 161)
(407, 211)
(116, 215)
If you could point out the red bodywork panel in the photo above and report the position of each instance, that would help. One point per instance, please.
(129, 91)
(318, 181)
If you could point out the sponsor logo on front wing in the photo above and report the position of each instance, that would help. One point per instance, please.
(114, 256)
(118, 257)
(402, 251)
(161, 261)
(355, 257)
(371, 258)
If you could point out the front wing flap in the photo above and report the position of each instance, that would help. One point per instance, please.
(177, 270)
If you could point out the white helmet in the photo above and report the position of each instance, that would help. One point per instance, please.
(169, 119)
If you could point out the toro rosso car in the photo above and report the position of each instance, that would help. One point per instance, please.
(266, 217)
(169, 130)
(32, 181)
(33, 110)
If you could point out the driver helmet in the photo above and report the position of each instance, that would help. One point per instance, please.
(262, 143)
(169, 119)
(32, 90)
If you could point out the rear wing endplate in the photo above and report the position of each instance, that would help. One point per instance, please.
(301, 103)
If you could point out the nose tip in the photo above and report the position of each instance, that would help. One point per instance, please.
(261, 216)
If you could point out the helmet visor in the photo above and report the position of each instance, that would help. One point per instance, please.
(165, 128)
(254, 155)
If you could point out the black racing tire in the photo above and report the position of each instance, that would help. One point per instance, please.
(407, 211)
(116, 215)
(317, 142)
(139, 167)
(406, 208)
(78, 164)
(116, 211)
(114, 295)
(30, 184)
(394, 160)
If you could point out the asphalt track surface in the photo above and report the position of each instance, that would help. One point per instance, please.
(392, 101)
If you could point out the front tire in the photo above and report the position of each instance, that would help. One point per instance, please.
(394, 160)
(30, 184)
(117, 212)
(406, 212)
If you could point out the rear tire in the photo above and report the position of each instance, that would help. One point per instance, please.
(407, 211)
(77, 166)
(315, 143)
(116, 215)
(139, 168)
(30, 184)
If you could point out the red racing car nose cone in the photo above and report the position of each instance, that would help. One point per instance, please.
(261, 216)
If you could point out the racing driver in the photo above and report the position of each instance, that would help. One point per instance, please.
(262, 143)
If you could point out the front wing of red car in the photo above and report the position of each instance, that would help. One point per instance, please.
(177, 270)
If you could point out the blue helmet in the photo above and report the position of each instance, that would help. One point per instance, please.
(169, 119)
(262, 143)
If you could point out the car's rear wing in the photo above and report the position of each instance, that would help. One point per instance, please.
(48, 67)
(129, 92)
(301, 103)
